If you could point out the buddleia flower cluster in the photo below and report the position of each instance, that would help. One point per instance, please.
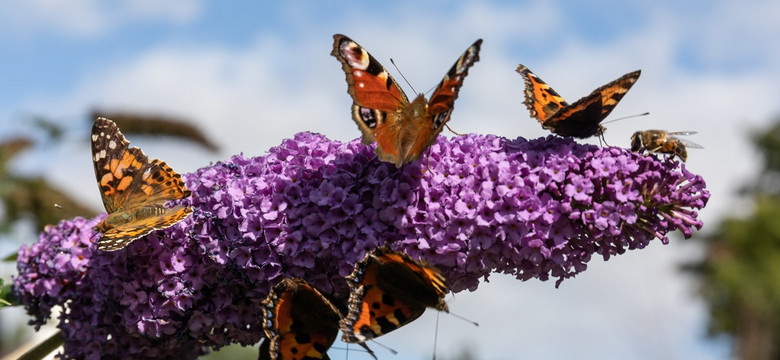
(312, 207)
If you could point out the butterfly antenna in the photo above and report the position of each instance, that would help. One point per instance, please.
(391, 350)
(627, 117)
(402, 75)
(369, 351)
(436, 334)
(347, 349)
(472, 322)
(363, 345)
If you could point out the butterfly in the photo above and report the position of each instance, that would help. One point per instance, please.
(134, 189)
(389, 290)
(582, 118)
(299, 322)
(661, 141)
(383, 113)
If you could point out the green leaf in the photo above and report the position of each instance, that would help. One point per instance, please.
(7, 297)
(11, 257)
(43, 349)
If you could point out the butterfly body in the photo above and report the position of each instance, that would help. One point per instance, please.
(664, 142)
(582, 118)
(134, 189)
(403, 130)
(389, 290)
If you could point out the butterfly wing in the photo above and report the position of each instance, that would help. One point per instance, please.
(582, 118)
(299, 322)
(440, 105)
(389, 290)
(119, 236)
(377, 99)
(118, 167)
(540, 99)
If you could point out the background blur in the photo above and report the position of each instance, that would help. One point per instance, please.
(252, 73)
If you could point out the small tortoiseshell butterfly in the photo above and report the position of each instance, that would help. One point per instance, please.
(134, 189)
(390, 290)
(299, 323)
(661, 141)
(383, 113)
(581, 119)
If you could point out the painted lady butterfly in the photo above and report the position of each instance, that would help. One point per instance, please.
(134, 189)
(581, 119)
(390, 290)
(383, 113)
(299, 323)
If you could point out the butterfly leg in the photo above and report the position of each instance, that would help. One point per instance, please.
(602, 140)
(452, 131)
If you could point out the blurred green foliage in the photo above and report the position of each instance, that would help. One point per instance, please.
(740, 274)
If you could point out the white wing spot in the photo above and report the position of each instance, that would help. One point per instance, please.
(112, 145)
(361, 85)
(94, 137)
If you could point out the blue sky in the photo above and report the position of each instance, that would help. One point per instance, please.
(252, 73)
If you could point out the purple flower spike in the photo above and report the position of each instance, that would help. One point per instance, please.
(312, 208)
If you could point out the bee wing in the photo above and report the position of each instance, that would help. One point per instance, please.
(691, 145)
(688, 144)
(684, 133)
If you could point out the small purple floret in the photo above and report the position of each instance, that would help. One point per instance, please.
(312, 207)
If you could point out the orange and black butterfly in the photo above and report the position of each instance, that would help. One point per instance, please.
(299, 323)
(664, 142)
(390, 290)
(403, 130)
(582, 118)
(134, 189)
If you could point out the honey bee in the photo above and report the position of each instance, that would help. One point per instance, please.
(663, 142)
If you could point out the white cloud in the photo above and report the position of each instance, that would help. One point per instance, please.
(89, 18)
(728, 33)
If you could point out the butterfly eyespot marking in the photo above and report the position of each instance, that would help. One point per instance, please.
(370, 117)
(356, 57)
